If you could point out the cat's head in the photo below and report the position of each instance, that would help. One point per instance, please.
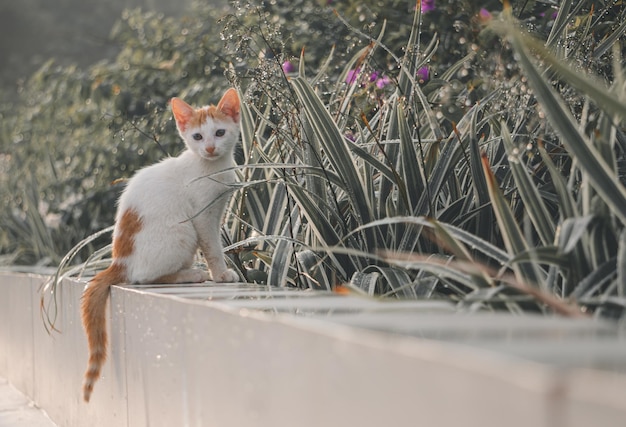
(210, 132)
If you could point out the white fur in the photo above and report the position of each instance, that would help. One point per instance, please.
(181, 202)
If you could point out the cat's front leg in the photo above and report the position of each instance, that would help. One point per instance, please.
(227, 276)
(211, 246)
(213, 253)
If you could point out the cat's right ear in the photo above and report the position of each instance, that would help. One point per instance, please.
(183, 112)
(229, 104)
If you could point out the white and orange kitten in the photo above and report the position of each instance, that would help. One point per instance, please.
(168, 211)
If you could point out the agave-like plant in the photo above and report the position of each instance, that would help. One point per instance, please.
(345, 184)
(582, 242)
(389, 202)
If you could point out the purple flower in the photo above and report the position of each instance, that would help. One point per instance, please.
(373, 76)
(423, 74)
(428, 6)
(352, 75)
(484, 15)
(288, 67)
(553, 15)
(382, 82)
(349, 135)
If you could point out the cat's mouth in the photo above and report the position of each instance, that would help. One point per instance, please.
(210, 156)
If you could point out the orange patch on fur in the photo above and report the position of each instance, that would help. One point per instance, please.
(202, 114)
(124, 242)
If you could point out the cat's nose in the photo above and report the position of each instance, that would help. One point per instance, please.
(210, 150)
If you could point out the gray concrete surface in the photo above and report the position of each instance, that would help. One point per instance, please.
(243, 355)
(16, 410)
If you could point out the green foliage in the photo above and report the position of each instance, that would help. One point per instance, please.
(76, 133)
(354, 182)
(496, 181)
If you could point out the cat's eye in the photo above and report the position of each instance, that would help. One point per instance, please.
(220, 132)
(197, 136)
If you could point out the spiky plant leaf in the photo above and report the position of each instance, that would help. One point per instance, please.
(335, 147)
(314, 270)
(598, 171)
(448, 242)
(511, 234)
(572, 231)
(566, 201)
(533, 202)
(282, 259)
(367, 282)
(413, 174)
(621, 266)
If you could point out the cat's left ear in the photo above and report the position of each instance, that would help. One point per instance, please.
(183, 112)
(229, 104)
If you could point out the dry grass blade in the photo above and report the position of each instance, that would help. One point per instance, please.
(49, 310)
(559, 306)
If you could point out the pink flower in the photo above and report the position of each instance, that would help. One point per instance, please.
(553, 15)
(382, 82)
(428, 6)
(352, 75)
(423, 74)
(484, 15)
(288, 67)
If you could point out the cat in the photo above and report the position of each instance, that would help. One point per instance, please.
(165, 213)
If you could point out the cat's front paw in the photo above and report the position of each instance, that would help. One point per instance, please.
(197, 276)
(227, 276)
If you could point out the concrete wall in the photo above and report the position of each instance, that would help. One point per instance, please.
(243, 355)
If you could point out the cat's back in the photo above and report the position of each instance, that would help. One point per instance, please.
(164, 171)
(173, 182)
(169, 172)
(158, 185)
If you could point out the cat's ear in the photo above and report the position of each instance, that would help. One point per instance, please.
(183, 112)
(229, 104)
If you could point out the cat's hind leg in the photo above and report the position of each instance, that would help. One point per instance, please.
(187, 275)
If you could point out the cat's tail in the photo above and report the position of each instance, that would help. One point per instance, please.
(93, 311)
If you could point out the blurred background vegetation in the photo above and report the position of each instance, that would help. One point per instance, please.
(452, 150)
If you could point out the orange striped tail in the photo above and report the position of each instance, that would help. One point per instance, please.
(93, 312)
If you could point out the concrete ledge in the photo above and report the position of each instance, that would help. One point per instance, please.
(238, 355)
